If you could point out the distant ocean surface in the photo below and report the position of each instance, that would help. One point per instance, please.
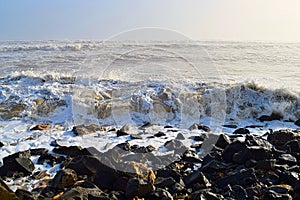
(168, 82)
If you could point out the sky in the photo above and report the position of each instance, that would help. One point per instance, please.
(233, 20)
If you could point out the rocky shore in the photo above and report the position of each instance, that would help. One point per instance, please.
(241, 165)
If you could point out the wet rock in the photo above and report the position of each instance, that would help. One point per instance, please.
(159, 194)
(213, 167)
(40, 127)
(136, 137)
(190, 157)
(287, 159)
(87, 129)
(270, 179)
(199, 127)
(243, 177)
(50, 159)
(231, 149)
(159, 134)
(292, 146)
(84, 165)
(267, 164)
(206, 195)
(282, 189)
(9, 110)
(71, 151)
(222, 141)
(85, 190)
(273, 116)
(270, 195)
(287, 177)
(180, 136)
(25, 195)
(297, 123)
(21, 154)
(196, 177)
(197, 146)
(165, 182)
(124, 146)
(238, 192)
(138, 187)
(1, 144)
(242, 131)
(38, 151)
(279, 138)
(64, 179)
(121, 133)
(251, 140)
(6, 193)
(17, 165)
(42, 107)
(198, 138)
(176, 146)
(230, 126)
(147, 149)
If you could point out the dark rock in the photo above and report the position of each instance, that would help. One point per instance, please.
(124, 146)
(251, 140)
(222, 141)
(287, 159)
(71, 151)
(164, 182)
(159, 134)
(282, 189)
(84, 165)
(267, 164)
(159, 194)
(243, 177)
(50, 159)
(21, 154)
(136, 137)
(64, 179)
(238, 192)
(292, 146)
(41, 127)
(121, 133)
(1, 144)
(230, 126)
(270, 195)
(138, 187)
(287, 177)
(198, 138)
(242, 131)
(199, 127)
(176, 146)
(297, 123)
(197, 146)
(231, 149)
(168, 126)
(213, 167)
(120, 184)
(281, 137)
(87, 129)
(17, 165)
(254, 126)
(191, 157)
(206, 195)
(85, 190)
(196, 177)
(180, 136)
(6, 193)
(270, 179)
(166, 173)
(147, 149)
(38, 151)
(125, 128)
(24, 195)
(273, 116)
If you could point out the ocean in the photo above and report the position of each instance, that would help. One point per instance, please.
(164, 83)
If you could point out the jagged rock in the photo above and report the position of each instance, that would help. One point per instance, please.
(243, 177)
(231, 149)
(42, 107)
(38, 151)
(87, 129)
(222, 141)
(121, 133)
(272, 195)
(196, 177)
(272, 117)
(199, 127)
(1, 144)
(287, 159)
(64, 179)
(159, 194)
(138, 187)
(165, 182)
(50, 159)
(270, 179)
(6, 193)
(9, 110)
(242, 131)
(159, 134)
(176, 146)
(180, 136)
(135, 137)
(279, 138)
(297, 123)
(238, 192)
(17, 165)
(25, 195)
(40, 127)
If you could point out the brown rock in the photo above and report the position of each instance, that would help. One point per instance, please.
(87, 129)
(64, 178)
(41, 127)
(6, 193)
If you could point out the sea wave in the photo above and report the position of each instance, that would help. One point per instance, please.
(63, 99)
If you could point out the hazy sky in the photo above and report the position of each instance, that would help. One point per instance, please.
(276, 20)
